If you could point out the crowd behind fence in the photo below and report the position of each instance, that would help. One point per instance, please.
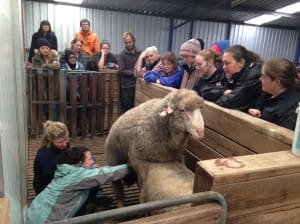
(87, 102)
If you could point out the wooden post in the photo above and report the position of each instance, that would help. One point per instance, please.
(4, 211)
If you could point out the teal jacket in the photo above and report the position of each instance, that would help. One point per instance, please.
(68, 190)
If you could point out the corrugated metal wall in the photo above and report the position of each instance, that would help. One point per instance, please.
(150, 30)
(210, 32)
(109, 25)
(267, 42)
(12, 109)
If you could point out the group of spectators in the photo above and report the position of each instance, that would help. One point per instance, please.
(230, 76)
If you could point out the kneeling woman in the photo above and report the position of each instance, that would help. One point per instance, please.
(281, 96)
(170, 75)
(70, 187)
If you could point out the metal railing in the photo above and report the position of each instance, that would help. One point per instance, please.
(150, 206)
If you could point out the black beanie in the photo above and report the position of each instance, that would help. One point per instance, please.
(68, 53)
(43, 42)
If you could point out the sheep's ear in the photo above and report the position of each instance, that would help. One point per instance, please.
(166, 110)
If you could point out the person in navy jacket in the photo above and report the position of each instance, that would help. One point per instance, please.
(170, 74)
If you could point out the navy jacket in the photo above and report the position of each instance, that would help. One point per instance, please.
(211, 88)
(44, 167)
(280, 110)
(245, 86)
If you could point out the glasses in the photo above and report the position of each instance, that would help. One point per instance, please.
(72, 57)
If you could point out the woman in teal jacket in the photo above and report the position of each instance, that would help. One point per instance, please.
(70, 187)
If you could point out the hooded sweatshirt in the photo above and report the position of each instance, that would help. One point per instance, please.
(68, 190)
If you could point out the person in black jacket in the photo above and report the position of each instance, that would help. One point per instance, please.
(242, 86)
(43, 32)
(55, 140)
(281, 95)
(213, 77)
(104, 58)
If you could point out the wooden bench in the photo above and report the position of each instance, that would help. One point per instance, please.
(246, 159)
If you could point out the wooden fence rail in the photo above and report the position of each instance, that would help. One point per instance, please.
(88, 102)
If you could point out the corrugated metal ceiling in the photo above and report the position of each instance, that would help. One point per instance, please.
(214, 10)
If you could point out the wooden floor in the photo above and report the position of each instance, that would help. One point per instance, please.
(95, 144)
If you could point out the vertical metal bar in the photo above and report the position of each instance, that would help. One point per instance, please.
(171, 32)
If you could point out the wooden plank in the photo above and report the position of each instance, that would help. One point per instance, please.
(252, 183)
(224, 145)
(284, 214)
(93, 90)
(33, 107)
(4, 211)
(251, 167)
(201, 150)
(208, 214)
(253, 133)
(51, 94)
(83, 102)
(101, 84)
(152, 90)
(40, 97)
(62, 97)
(190, 160)
(73, 98)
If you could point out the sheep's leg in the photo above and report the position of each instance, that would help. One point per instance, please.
(119, 191)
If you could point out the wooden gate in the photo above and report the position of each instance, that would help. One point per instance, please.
(87, 102)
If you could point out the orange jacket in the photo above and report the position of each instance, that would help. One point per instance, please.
(91, 43)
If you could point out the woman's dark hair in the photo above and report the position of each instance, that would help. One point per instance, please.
(239, 52)
(282, 69)
(44, 22)
(201, 42)
(170, 57)
(72, 156)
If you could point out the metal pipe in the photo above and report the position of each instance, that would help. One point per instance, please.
(150, 206)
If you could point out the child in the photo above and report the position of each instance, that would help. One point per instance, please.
(71, 185)
(169, 75)
(44, 57)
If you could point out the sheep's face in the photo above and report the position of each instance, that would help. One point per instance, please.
(188, 104)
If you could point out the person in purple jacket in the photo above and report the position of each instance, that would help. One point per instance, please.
(170, 75)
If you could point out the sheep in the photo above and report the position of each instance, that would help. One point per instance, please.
(164, 180)
(154, 131)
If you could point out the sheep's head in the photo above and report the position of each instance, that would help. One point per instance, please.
(188, 103)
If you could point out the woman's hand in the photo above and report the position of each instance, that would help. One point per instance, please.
(254, 112)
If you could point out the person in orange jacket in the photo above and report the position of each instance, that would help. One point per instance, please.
(91, 42)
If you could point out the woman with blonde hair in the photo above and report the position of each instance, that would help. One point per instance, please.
(149, 60)
(55, 140)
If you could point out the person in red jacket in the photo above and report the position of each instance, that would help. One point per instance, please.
(91, 42)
